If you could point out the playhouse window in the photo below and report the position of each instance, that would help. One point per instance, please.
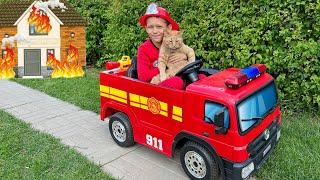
(51, 51)
(4, 52)
(33, 29)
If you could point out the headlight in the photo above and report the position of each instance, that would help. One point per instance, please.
(246, 171)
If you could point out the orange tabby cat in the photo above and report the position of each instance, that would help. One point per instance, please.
(172, 43)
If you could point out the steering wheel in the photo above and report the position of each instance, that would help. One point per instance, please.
(190, 71)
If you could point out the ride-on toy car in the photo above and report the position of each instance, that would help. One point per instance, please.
(225, 125)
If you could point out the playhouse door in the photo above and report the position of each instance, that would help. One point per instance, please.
(32, 62)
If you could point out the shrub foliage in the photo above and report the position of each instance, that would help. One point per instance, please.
(281, 34)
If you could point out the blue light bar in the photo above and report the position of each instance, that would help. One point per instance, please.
(250, 72)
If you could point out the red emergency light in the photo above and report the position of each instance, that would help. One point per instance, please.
(111, 65)
(245, 76)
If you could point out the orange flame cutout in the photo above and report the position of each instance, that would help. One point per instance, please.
(40, 20)
(67, 68)
(7, 64)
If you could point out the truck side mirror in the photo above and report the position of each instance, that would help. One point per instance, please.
(219, 122)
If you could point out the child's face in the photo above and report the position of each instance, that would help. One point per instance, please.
(155, 28)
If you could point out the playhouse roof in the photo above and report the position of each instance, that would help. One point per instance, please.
(11, 11)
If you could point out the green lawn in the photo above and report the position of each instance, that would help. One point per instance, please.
(83, 92)
(29, 154)
(297, 155)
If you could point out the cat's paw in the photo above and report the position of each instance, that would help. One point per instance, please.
(163, 77)
(155, 80)
(171, 75)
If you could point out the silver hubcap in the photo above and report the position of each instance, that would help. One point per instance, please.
(118, 131)
(195, 164)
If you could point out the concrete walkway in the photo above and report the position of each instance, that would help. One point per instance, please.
(83, 131)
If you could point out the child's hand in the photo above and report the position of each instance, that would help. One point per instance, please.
(177, 57)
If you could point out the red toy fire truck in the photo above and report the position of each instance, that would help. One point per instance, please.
(225, 125)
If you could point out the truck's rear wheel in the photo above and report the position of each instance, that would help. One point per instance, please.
(197, 162)
(121, 130)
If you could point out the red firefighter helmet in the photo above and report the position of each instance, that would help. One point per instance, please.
(154, 10)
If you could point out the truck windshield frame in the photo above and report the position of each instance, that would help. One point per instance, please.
(254, 108)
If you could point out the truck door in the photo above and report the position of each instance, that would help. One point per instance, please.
(158, 111)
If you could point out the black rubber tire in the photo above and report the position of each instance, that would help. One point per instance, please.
(212, 169)
(124, 120)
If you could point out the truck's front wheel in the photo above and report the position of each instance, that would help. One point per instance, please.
(121, 130)
(197, 162)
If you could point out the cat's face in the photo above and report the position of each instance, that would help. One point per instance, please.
(172, 39)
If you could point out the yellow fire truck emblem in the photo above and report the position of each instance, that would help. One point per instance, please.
(154, 105)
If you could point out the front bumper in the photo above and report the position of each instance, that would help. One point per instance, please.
(233, 170)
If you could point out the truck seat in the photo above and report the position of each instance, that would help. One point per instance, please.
(132, 70)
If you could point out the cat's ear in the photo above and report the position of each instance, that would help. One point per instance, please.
(181, 32)
(167, 31)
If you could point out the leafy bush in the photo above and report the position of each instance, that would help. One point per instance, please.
(281, 34)
(96, 14)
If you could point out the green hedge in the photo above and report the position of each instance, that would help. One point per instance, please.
(281, 34)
